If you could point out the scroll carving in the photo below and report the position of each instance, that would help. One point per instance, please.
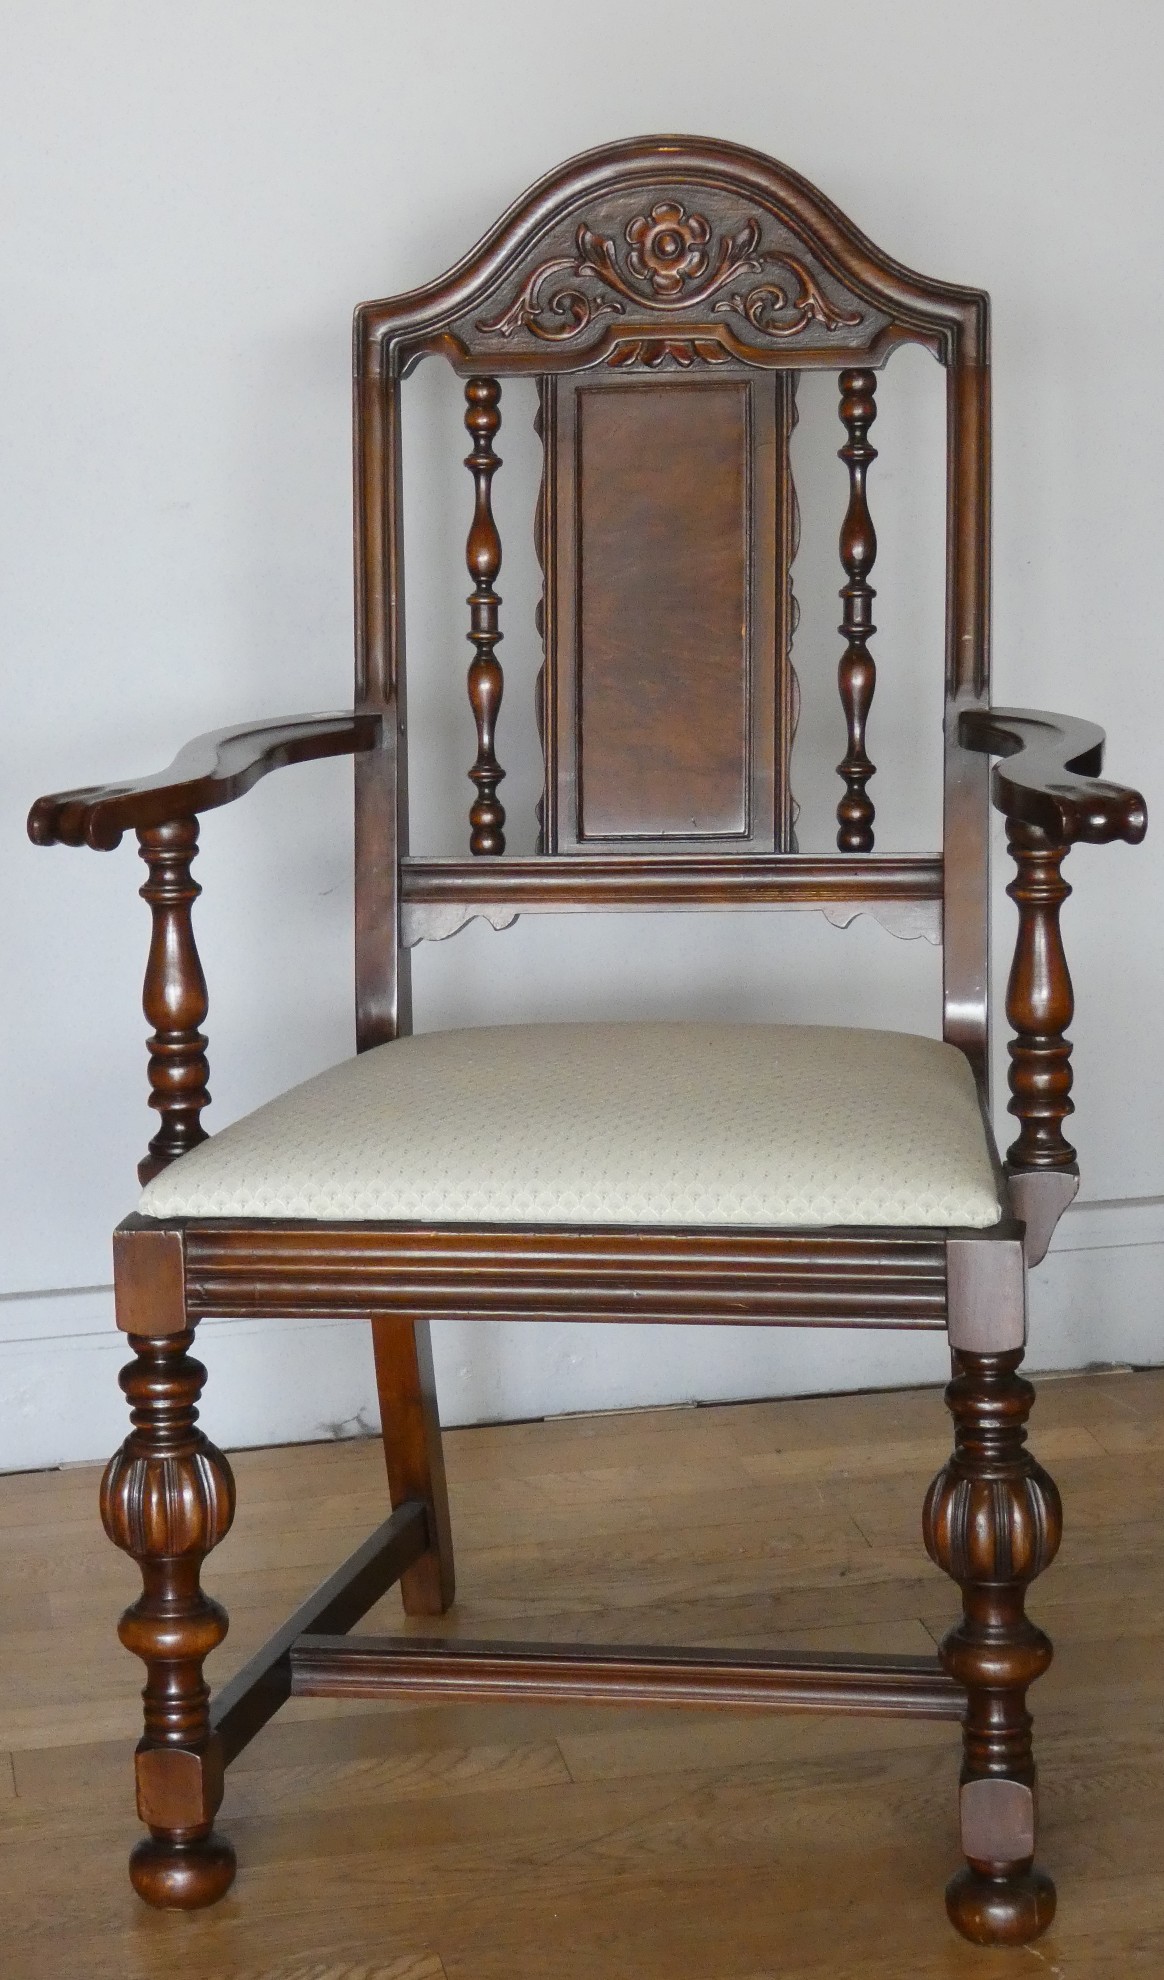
(483, 556)
(857, 674)
(773, 310)
(174, 998)
(670, 261)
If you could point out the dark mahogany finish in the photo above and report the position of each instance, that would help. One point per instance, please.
(174, 998)
(1049, 776)
(665, 293)
(243, 1707)
(212, 770)
(486, 1271)
(666, 533)
(167, 1498)
(483, 556)
(440, 894)
(600, 1674)
(992, 1521)
(412, 1451)
(1040, 1003)
(1050, 792)
(857, 674)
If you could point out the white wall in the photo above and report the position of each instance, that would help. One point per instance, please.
(195, 196)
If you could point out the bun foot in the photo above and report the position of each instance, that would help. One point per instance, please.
(1000, 1911)
(182, 1876)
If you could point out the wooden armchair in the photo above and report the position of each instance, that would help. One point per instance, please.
(664, 293)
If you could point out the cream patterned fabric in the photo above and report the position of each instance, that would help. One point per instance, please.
(681, 1124)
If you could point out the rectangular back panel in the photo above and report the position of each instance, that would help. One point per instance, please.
(667, 536)
(663, 609)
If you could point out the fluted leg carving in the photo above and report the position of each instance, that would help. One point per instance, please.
(167, 1498)
(483, 555)
(992, 1521)
(1040, 1004)
(174, 998)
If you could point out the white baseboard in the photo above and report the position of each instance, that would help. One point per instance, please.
(1098, 1298)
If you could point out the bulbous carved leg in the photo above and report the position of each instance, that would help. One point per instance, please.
(992, 1521)
(167, 1498)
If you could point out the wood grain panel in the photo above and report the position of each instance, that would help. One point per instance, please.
(667, 539)
(663, 611)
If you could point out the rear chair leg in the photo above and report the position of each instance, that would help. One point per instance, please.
(167, 1498)
(411, 1430)
(992, 1521)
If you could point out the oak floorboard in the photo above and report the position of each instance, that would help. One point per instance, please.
(479, 1842)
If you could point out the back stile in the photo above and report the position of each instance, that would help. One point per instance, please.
(790, 549)
(966, 823)
(383, 966)
(544, 808)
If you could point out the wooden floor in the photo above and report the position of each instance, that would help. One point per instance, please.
(494, 1843)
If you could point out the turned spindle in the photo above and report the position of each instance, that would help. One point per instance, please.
(174, 998)
(483, 556)
(1039, 1004)
(167, 1498)
(856, 672)
(992, 1521)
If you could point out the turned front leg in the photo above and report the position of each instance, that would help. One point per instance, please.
(992, 1521)
(167, 1498)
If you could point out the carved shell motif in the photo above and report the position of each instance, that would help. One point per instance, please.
(671, 262)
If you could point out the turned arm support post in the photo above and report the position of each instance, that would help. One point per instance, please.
(1049, 789)
(174, 997)
(1040, 1003)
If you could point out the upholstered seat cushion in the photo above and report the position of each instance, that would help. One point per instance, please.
(680, 1124)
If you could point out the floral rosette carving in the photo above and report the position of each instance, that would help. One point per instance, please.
(667, 248)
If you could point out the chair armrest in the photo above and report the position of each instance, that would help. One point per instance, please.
(1051, 779)
(163, 810)
(211, 770)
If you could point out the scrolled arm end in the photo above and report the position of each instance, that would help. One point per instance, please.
(1119, 813)
(75, 818)
(1049, 776)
